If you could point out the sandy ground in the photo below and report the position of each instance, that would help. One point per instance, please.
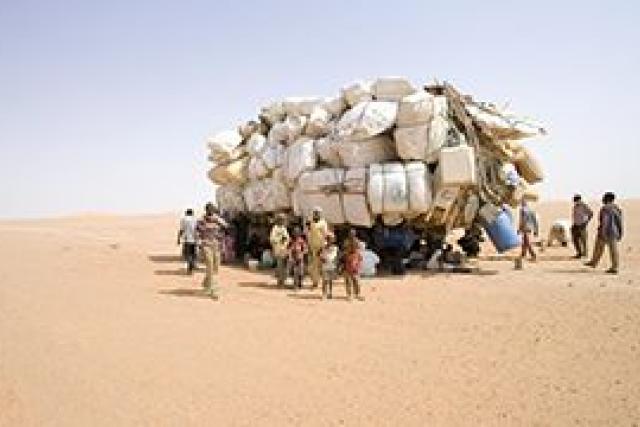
(100, 326)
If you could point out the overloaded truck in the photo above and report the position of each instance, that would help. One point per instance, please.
(403, 164)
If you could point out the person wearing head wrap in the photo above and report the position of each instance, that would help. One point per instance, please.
(316, 235)
(210, 233)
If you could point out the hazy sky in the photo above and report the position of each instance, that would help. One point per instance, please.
(104, 106)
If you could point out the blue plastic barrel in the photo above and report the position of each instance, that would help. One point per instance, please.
(503, 233)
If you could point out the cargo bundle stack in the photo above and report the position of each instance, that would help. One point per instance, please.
(380, 151)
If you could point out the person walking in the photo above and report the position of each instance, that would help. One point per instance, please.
(297, 251)
(581, 216)
(317, 233)
(329, 257)
(187, 236)
(352, 265)
(279, 239)
(528, 225)
(609, 233)
(210, 233)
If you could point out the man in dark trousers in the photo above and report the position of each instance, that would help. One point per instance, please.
(609, 233)
(581, 216)
(187, 235)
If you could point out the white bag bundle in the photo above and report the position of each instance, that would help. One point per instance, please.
(294, 127)
(392, 88)
(388, 191)
(222, 158)
(257, 169)
(438, 131)
(273, 155)
(440, 107)
(412, 142)
(367, 119)
(273, 113)
(234, 172)
(230, 198)
(318, 124)
(367, 151)
(415, 109)
(322, 188)
(357, 92)
(256, 144)
(279, 132)
(419, 183)
(223, 143)
(457, 166)
(299, 157)
(301, 105)
(247, 129)
(335, 105)
(267, 195)
(327, 150)
(354, 199)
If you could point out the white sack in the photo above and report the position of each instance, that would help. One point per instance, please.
(301, 105)
(299, 157)
(294, 127)
(415, 109)
(247, 129)
(256, 169)
(419, 185)
(440, 106)
(387, 189)
(222, 158)
(230, 198)
(318, 124)
(267, 195)
(357, 92)
(273, 156)
(223, 143)
(320, 188)
(457, 166)
(412, 142)
(354, 199)
(256, 144)
(335, 105)
(438, 130)
(367, 119)
(392, 88)
(278, 133)
(327, 150)
(234, 172)
(273, 113)
(363, 153)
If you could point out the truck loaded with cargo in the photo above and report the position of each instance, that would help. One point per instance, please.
(426, 159)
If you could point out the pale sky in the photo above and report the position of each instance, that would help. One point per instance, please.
(105, 106)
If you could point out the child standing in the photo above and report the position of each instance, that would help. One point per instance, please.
(329, 258)
(297, 250)
(352, 265)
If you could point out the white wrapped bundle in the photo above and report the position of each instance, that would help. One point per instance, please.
(301, 105)
(354, 199)
(230, 198)
(299, 157)
(223, 144)
(267, 195)
(294, 127)
(256, 143)
(335, 105)
(318, 124)
(356, 92)
(457, 166)
(327, 149)
(415, 109)
(365, 152)
(388, 191)
(412, 142)
(321, 188)
(249, 128)
(234, 172)
(392, 88)
(419, 184)
(367, 119)
(278, 133)
(438, 131)
(273, 155)
(440, 106)
(273, 113)
(256, 169)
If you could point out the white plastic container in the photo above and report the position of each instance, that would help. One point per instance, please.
(457, 166)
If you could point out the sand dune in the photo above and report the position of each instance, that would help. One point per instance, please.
(100, 326)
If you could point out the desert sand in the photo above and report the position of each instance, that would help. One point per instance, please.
(99, 325)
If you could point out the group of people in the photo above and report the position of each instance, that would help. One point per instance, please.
(318, 248)
(609, 232)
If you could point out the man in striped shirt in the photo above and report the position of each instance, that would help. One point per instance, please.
(210, 233)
